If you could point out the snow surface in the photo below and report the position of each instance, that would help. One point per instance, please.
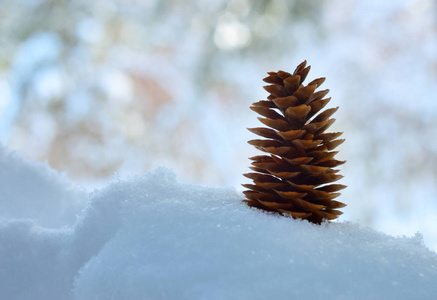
(151, 237)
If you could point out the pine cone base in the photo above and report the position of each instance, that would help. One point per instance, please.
(295, 177)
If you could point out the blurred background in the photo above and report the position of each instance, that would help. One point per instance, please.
(110, 88)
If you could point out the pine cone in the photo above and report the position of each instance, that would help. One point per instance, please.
(295, 178)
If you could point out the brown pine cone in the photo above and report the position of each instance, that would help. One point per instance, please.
(295, 177)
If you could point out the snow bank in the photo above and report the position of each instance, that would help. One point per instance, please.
(31, 190)
(154, 238)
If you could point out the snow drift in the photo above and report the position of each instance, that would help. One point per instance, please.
(151, 237)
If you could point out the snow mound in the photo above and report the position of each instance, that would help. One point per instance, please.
(154, 238)
(31, 190)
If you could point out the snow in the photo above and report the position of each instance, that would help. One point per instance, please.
(151, 237)
(31, 190)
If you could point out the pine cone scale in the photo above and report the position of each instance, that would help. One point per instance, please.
(278, 124)
(317, 105)
(284, 102)
(304, 93)
(267, 112)
(292, 83)
(318, 82)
